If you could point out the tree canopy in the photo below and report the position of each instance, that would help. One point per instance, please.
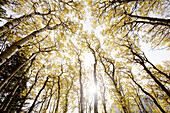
(84, 56)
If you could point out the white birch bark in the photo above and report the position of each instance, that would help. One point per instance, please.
(14, 48)
(17, 45)
(16, 21)
(9, 77)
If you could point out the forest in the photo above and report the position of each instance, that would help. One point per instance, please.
(84, 56)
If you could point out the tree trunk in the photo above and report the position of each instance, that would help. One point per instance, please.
(160, 20)
(154, 100)
(124, 1)
(14, 22)
(142, 63)
(20, 80)
(12, 75)
(58, 97)
(94, 75)
(103, 94)
(156, 80)
(66, 97)
(53, 110)
(51, 94)
(139, 98)
(36, 79)
(12, 94)
(81, 86)
(95, 83)
(112, 77)
(43, 102)
(32, 106)
(17, 45)
(9, 25)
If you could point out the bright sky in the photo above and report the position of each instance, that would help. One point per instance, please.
(155, 56)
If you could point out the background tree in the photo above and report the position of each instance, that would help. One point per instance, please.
(134, 18)
(6, 70)
(94, 51)
(55, 61)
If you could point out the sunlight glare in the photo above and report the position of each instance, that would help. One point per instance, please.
(92, 89)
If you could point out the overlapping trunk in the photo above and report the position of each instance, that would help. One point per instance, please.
(12, 75)
(33, 105)
(58, 98)
(30, 89)
(9, 25)
(141, 61)
(3, 108)
(148, 94)
(17, 45)
(111, 75)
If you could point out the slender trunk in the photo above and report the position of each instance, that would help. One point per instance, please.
(51, 94)
(154, 100)
(160, 20)
(151, 23)
(36, 79)
(121, 97)
(12, 94)
(139, 98)
(58, 100)
(66, 104)
(66, 98)
(142, 63)
(17, 86)
(43, 102)
(156, 80)
(8, 100)
(104, 105)
(3, 67)
(137, 104)
(95, 83)
(48, 102)
(78, 104)
(53, 110)
(59, 88)
(42, 105)
(141, 104)
(6, 86)
(9, 25)
(32, 106)
(94, 75)
(124, 1)
(86, 108)
(81, 87)
(104, 99)
(12, 75)
(90, 108)
(166, 75)
(112, 77)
